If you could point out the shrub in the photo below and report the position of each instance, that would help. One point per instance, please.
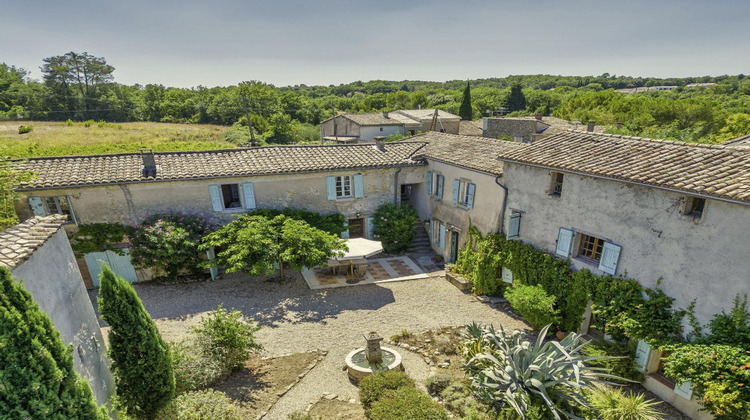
(200, 405)
(194, 368)
(458, 398)
(394, 226)
(533, 304)
(229, 339)
(614, 404)
(623, 366)
(406, 403)
(437, 383)
(88, 123)
(374, 386)
(170, 242)
(69, 122)
(25, 129)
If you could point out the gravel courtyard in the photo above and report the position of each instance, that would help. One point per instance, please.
(297, 319)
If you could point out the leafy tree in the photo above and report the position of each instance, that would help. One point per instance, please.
(37, 379)
(736, 125)
(465, 112)
(282, 129)
(230, 339)
(9, 178)
(77, 75)
(516, 100)
(255, 244)
(141, 361)
(394, 226)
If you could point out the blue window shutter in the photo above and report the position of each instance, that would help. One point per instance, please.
(470, 198)
(428, 182)
(331, 187)
(359, 186)
(249, 191)
(36, 206)
(507, 275)
(441, 241)
(514, 225)
(439, 192)
(345, 234)
(370, 228)
(684, 389)
(214, 270)
(456, 187)
(430, 234)
(216, 201)
(642, 354)
(564, 242)
(610, 257)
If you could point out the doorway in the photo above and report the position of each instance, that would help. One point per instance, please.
(454, 247)
(356, 228)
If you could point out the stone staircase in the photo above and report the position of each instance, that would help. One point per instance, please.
(421, 243)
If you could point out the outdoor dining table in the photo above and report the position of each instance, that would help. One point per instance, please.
(359, 250)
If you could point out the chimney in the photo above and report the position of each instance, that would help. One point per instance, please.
(385, 114)
(380, 143)
(538, 117)
(148, 170)
(590, 127)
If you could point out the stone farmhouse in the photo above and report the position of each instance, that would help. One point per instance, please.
(355, 128)
(662, 212)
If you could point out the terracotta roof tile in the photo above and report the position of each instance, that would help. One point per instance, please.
(477, 153)
(17, 243)
(713, 170)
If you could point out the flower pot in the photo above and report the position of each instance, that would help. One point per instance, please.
(561, 335)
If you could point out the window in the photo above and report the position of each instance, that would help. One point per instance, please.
(343, 186)
(590, 247)
(45, 206)
(463, 193)
(434, 184)
(437, 233)
(232, 196)
(694, 207)
(556, 184)
(514, 225)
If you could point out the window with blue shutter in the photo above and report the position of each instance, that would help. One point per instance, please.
(439, 192)
(370, 228)
(514, 225)
(456, 188)
(216, 200)
(249, 191)
(331, 187)
(441, 240)
(684, 389)
(470, 196)
(428, 182)
(359, 186)
(564, 242)
(37, 207)
(610, 257)
(642, 354)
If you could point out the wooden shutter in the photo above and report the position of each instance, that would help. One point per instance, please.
(441, 238)
(345, 234)
(73, 217)
(331, 187)
(249, 191)
(564, 242)
(684, 389)
(610, 256)
(428, 182)
(359, 186)
(514, 225)
(216, 200)
(370, 228)
(507, 275)
(456, 188)
(36, 206)
(470, 198)
(439, 192)
(642, 354)
(214, 270)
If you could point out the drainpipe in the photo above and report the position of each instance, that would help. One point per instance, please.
(505, 203)
(396, 189)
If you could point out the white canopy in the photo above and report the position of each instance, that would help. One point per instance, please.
(361, 248)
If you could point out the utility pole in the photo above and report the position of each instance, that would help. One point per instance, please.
(253, 143)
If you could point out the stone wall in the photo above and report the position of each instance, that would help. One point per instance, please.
(509, 127)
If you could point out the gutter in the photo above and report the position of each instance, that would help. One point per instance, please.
(396, 189)
(642, 184)
(501, 223)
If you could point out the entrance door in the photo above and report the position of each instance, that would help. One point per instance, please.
(356, 228)
(454, 246)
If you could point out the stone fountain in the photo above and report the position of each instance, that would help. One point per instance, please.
(373, 358)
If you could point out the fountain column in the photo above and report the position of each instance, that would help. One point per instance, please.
(373, 352)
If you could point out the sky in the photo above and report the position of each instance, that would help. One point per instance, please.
(187, 43)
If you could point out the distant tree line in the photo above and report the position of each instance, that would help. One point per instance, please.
(80, 86)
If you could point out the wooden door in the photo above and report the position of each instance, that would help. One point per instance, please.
(356, 228)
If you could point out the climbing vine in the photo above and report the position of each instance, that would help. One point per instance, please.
(97, 237)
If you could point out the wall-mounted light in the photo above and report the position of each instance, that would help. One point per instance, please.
(358, 215)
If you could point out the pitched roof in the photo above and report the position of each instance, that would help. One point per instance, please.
(374, 118)
(742, 141)
(60, 172)
(711, 170)
(426, 114)
(471, 152)
(470, 128)
(17, 243)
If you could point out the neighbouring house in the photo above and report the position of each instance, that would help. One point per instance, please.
(37, 251)
(421, 120)
(462, 188)
(354, 128)
(669, 214)
(521, 129)
(470, 128)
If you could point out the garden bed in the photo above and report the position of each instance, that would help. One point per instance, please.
(458, 281)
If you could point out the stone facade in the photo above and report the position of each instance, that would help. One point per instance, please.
(513, 128)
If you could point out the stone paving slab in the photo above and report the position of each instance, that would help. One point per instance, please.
(380, 270)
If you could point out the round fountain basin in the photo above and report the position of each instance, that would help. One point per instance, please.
(358, 366)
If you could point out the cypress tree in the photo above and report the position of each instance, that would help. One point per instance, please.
(141, 361)
(465, 111)
(37, 379)
(516, 100)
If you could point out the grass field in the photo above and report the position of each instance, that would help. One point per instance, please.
(61, 139)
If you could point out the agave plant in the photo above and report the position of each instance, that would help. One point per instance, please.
(513, 371)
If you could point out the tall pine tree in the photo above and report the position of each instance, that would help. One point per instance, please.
(465, 111)
(141, 362)
(516, 101)
(37, 379)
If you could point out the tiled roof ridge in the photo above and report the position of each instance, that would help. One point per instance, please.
(18, 242)
(719, 146)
